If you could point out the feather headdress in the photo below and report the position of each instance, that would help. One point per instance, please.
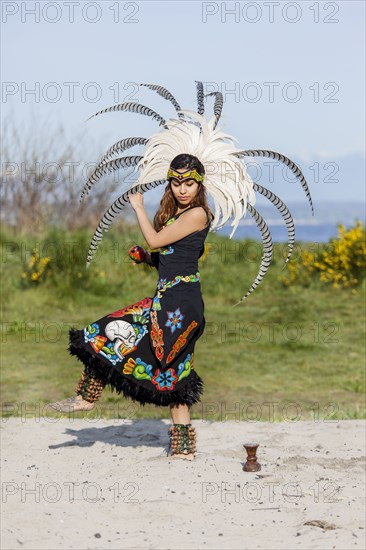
(226, 178)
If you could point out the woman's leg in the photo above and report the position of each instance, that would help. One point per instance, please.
(90, 387)
(182, 433)
(88, 391)
(180, 413)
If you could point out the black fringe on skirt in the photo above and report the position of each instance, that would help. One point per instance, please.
(189, 394)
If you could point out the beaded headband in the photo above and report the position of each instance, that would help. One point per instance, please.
(189, 174)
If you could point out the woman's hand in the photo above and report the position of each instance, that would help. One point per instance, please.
(136, 200)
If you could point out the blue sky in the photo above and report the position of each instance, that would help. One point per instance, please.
(175, 43)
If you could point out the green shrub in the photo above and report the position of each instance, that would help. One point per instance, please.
(342, 263)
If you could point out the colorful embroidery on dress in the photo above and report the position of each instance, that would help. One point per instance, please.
(138, 368)
(163, 284)
(156, 302)
(166, 250)
(123, 339)
(109, 353)
(98, 343)
(157, 336)
(91, 331)
(139, 308)
(175, 319)
(162, 380)
(180, 341)
(185, 368)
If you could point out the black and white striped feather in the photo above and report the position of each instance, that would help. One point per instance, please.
(163, 92)
(110, 166)
(267, 250)
(132, 107)
(200, 98)
(285, 212)
(113, 211)
(288, 162)
(218, 105)
(122, 145)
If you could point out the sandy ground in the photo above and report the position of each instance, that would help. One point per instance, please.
(76, 483)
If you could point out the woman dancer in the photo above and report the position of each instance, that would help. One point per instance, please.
(146, 350)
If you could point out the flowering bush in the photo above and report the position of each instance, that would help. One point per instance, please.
(35, 269)
(59, 260)
(341, 264)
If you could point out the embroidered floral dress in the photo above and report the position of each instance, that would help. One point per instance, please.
(146, 350)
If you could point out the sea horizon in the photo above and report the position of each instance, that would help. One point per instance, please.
(305, 232)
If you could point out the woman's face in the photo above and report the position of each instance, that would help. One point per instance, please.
(184, 191)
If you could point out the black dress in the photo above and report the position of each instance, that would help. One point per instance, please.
(146, 350)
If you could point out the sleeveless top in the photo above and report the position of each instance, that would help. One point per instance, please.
(180, 258)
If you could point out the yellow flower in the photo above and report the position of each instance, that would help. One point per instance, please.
(32, 261)
(44, 261)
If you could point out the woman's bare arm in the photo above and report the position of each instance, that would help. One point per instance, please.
(192, 221)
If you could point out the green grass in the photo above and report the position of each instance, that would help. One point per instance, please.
(285, 353)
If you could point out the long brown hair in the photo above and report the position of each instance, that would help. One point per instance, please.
(168, 204)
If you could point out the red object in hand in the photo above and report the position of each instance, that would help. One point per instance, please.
(137, 253)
